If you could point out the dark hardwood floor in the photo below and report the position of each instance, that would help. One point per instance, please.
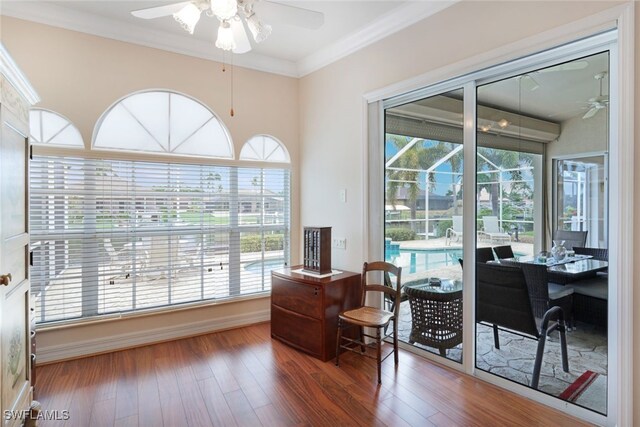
(242, 377)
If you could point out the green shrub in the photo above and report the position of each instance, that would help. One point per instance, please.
(400, 234)
(252, 243)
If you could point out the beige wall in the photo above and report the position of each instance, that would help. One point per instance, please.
(332, 116)
(80, 75)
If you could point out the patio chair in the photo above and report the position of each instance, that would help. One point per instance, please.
(492, 231)
(483, 255)
(504, 300)
(371, 317)
(455, 231)
(571, 238)
(600, 254)
(120, 260)
(503, 251)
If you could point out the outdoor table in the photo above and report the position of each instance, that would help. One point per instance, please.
(569, 269)
(436, 313)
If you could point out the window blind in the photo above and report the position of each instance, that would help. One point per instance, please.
(112, 236)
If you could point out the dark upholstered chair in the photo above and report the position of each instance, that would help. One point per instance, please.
(503, 251)
(372, 317)
(482, 255)
(504, 299)
(571, 238)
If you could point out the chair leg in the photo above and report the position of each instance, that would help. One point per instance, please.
(395, 341)
(537, 365)
(496, 337)
(339, 338)
(563, 348)
(363, 348)
(379, 354)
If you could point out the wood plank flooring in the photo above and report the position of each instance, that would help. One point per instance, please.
(244, 378)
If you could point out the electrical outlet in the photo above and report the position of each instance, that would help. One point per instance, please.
(339, 243)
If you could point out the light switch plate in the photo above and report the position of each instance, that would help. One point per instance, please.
(339, 243)
(343, 195)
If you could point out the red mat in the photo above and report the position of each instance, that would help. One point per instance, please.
(575, 390)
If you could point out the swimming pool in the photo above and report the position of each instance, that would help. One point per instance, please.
(416, 260)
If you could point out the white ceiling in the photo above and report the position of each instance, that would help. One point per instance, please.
(348, 26)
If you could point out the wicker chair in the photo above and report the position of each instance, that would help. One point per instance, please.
(372, 317)
(571, 238)
(601, 254)
(504, 298)
(503, 251)
(482, 255)
(436, 318)
(545, 294)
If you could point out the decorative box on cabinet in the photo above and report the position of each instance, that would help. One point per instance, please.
(317, 250)
(304, 309)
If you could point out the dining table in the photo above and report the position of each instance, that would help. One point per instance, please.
(567, 270)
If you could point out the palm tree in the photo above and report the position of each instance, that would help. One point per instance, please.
(410, 165)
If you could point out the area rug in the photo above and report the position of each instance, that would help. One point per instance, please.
(589, 390)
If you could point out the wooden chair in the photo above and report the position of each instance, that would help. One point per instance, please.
(504, 299)
(372, 317)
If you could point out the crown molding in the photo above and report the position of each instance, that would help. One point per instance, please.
(57, 16)
(16, 77)
(396, 20)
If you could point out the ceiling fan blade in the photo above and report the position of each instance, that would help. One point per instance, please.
(592, 112)
(240, 36)
(567, 66)
(159, 11)
(280, 13)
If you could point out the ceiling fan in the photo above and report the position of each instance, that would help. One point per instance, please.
(599, 102)
(233, 15)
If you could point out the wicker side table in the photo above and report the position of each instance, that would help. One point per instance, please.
(436, 313)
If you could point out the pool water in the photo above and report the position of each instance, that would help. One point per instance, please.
(423, 260)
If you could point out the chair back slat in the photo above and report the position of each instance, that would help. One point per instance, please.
(503, 298)
(388, 288)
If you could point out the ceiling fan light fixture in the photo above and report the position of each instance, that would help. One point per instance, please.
(188, 17)
(224, 9)
(225, 39)
(503, 123)
(259, 30)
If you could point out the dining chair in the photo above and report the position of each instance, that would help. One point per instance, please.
(601, 254)
(367, 316)
(503, 251)
(545, 294)
(571, 238)
(482, 255)
(504, 299)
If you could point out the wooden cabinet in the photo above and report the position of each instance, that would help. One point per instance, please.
(304, 309)
(16, 389)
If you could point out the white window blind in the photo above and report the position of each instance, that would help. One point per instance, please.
(111, 236)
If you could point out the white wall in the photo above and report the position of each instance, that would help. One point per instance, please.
(331, 99)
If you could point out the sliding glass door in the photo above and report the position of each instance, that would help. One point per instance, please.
(541, 203)
(532, 234)
(423, 218)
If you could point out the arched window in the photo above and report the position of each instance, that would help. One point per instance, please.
(47, 127)
(163, 122)
(264, 148)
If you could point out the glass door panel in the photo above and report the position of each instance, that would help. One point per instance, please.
(542, 177)
(423, 218)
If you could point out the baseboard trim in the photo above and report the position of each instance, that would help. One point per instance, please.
(106, 344)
